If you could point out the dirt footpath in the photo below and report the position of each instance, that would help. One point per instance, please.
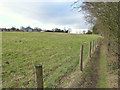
(90, 76)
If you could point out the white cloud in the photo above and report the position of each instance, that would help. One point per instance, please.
(43, 15)
(59, 0)
(9, 18)
(37, 0)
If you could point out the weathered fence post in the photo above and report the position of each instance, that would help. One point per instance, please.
(39, 76)
(90, 49)
(81, 58)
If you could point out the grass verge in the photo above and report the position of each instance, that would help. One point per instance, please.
(102, 82)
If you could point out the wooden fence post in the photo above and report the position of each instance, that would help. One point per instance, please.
(90, 49)
(39, 76)
(81, 58)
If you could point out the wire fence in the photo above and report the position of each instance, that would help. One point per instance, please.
(72, 58)
(27, 79)
(22, 77)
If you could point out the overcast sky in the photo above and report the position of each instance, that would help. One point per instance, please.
(45, 15)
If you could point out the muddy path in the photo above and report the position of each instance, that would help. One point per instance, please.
(90, 76)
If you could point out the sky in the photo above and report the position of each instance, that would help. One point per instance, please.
(43, 14)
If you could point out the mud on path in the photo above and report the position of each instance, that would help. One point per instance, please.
(90, 76)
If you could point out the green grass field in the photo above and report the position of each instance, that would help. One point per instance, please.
(57, 52)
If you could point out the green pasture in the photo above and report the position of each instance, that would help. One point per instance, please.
(57, 52)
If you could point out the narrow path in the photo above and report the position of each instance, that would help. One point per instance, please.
(90, 75)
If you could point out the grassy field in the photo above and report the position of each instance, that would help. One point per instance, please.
(57, 52)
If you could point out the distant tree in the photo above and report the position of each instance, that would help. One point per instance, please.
(8, 30)
(22, 28)
(35, 29)
(53, 30)
(89, 32)
(13, 29)
(39, 29)
(83, 31)
(17, 29)
(57, 30)
(69, 30)
(48, 31)
(66, 31)
(28, 27)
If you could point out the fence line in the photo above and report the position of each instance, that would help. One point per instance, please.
(81, 54)
(29, 71)
(43, 78)
(39, 79)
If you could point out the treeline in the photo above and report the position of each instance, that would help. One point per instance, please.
(36, 29)
(59, 30)
(88, 32)
(104, 17)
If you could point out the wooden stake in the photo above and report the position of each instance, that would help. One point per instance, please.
(90, 49)
(81, 58)
(39, 76)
